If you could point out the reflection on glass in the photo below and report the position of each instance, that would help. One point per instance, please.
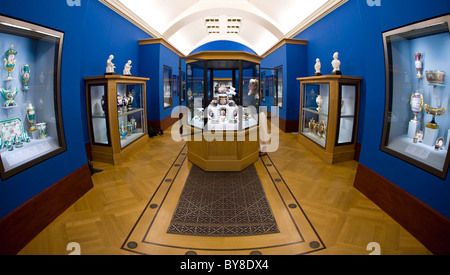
(167, 86)
(315, 118)
(132, 120)
(98, 105)
(250, 89)
(347, 114)
(279, 99)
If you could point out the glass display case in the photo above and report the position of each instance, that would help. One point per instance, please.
(222, 111)
(116, 108)
(228, 105)
(329, 109)
(279, 96)
(31, 129)
(272, 88)
(416, 124)
(167, 85)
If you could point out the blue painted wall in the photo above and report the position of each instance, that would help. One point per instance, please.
(355, 31)
(293, 59)
(223, 45)
(92, 32)
(152, 59)
(170, 59)
(149, 67)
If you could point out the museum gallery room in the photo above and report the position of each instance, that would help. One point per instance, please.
(213, 127)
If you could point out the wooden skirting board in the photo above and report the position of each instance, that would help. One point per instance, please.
(426, 224)
(21, 225)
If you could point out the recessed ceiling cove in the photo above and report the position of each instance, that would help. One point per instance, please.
(257, 24)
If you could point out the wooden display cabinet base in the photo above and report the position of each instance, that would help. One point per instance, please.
(339, 154)
(105, 154)
(216, 155)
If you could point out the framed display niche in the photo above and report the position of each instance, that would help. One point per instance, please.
(31, 128)
(416, 123)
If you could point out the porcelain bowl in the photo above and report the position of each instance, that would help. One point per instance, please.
(435, 76)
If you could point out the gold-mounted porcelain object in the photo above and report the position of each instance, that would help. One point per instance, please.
(319, 101)
(31, 116)
(418, 64)
(416, 104)
(439, 143)
(435, 77)
(322, 128)
(10, 61)
(311, 124)
(434, 112)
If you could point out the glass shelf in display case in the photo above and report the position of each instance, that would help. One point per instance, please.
(329, 115)
(416, 124)
(31, 129)
(116, 115)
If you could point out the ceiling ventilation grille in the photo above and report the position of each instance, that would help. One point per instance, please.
(234, 25)
(224, 25)
(212, 25)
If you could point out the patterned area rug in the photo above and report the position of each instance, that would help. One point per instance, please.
(223, 204)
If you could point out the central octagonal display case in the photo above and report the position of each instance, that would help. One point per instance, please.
(222, 99)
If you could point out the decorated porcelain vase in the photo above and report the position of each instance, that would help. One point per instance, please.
(10, 61)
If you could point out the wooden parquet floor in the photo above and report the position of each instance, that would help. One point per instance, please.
(345, 220)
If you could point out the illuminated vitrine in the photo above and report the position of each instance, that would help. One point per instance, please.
(31, 126)
(416, 123)
(117, 117)
(329, 109)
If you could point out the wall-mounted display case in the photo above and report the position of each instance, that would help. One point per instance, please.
(31, 127)
(416, 123)
(329, 110)
(117, 117)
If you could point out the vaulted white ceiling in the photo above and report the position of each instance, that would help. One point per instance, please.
(261, 23)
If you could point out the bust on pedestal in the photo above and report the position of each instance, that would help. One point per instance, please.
(317, 68)
(336, 64)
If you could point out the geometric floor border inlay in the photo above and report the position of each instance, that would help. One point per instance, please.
(296, 233)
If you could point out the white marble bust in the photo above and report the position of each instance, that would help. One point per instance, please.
(317, 67)
(336, 64)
